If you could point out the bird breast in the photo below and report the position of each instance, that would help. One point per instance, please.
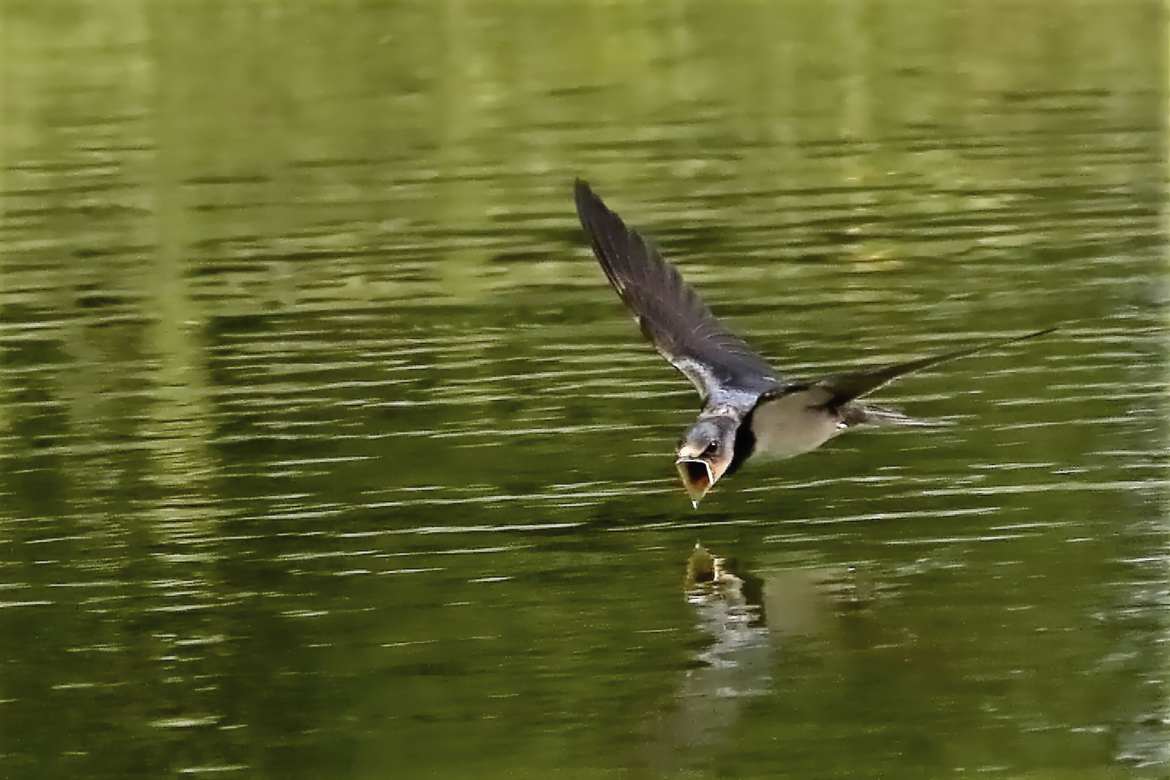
(793, 424)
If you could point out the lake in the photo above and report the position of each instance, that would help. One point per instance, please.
(327, 452)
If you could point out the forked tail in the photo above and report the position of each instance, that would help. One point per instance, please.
(868, 414)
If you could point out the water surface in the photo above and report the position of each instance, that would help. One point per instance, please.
(325, 451)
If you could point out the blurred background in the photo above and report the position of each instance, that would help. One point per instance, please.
(326, 451)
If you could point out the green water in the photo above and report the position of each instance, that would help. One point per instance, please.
(326, 452)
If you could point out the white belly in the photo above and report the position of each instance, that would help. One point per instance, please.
(792, 424)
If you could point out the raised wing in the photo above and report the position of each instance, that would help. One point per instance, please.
(842, 388)
(671, 314)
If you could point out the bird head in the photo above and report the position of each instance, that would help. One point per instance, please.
(704, 454)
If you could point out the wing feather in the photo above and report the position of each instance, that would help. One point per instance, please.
(668, 311)
(845, 387)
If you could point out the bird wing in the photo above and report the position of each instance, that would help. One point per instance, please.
(671, 314)
(842, 388)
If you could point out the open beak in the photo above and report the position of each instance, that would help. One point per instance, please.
(696, 478)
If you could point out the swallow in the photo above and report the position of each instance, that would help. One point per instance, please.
(749, 411)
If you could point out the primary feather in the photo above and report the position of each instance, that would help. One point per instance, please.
(670, 313)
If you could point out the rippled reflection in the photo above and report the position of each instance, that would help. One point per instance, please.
(326, 451)
(751, 620)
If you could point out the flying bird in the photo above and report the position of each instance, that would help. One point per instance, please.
(749, 411)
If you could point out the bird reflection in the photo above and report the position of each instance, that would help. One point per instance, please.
(798, 602)
(748, 618)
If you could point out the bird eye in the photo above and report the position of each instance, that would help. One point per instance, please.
(713, 447)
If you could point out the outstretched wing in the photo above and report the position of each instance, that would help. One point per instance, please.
(845, 387)
(671, 314)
